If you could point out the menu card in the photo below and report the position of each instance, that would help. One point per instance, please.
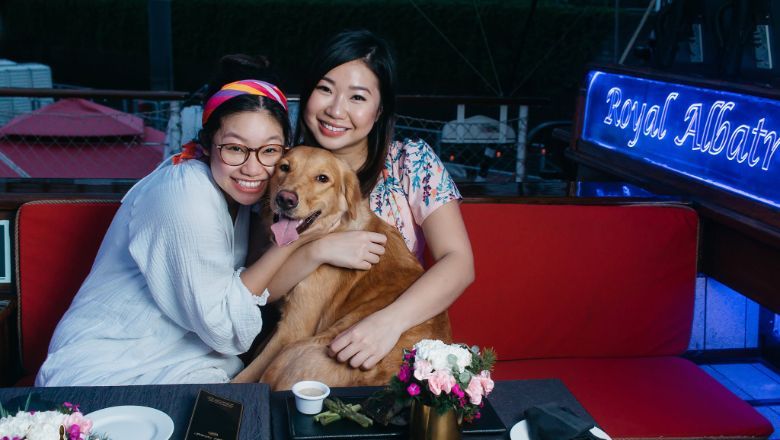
(214, 418)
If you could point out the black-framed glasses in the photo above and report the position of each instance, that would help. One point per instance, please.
(237, 154)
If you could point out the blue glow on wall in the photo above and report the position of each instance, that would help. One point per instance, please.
(612, 189)
(724, 139)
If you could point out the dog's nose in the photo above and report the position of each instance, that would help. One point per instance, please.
(286, 199)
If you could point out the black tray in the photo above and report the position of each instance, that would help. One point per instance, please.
(303, 427)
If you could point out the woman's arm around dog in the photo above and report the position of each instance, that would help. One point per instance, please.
(371, 339)
(350, 249)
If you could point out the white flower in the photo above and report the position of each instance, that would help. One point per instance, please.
(43, 425)
(438, 354)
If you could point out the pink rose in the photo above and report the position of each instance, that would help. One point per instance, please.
(413, 389)
(441, 381)
(474, 390)
(422, 369)
(479, 386)
(76, 418)
(487, 382)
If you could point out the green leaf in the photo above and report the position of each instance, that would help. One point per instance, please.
(27, 402)
(452, 359)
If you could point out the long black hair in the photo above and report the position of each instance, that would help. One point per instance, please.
(238, 66)
(342, 48)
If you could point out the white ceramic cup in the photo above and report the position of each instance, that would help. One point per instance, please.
(309, 396)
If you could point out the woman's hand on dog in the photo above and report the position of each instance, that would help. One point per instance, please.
(350, 249)
(366, 343)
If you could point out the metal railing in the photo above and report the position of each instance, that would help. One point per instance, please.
(76, 133)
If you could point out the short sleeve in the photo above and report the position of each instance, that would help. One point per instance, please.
(427, 183)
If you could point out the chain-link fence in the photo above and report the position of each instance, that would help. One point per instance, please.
(477, 149)
(79, 138)
(127, 138)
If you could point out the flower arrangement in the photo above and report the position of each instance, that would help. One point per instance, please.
(445, 377)
(65, 422)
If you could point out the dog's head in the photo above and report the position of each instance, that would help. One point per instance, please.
(311, 190)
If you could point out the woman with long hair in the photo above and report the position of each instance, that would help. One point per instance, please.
(347, 106)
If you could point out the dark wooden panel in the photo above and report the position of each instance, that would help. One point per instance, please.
(744, 263)
(9, 359)
(12, 202)
(659, 180)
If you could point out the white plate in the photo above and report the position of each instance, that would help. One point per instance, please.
(132, 423)
(520, 432)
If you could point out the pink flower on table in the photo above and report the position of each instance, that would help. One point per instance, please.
(405, 373)
(73, 407)
(74, 432)
(441, 381)
(78, 419)
(475, 390)
(413, 389)
(457, 391)
(422, 369)
(479, 386)
(487, 382)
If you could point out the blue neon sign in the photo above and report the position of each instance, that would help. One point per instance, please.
(724, 139)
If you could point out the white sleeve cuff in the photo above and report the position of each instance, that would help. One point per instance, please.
(262, 299)
(258, 300)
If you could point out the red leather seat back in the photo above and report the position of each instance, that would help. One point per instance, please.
(557, 281)
(56, 244)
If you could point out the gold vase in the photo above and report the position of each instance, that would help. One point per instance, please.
(425, 423)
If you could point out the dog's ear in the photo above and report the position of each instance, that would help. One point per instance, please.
(351, 192)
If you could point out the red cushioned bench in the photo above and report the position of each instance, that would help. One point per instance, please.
(56, 243)
(598, 296)
(602, 298)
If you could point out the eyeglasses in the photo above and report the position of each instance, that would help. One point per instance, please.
(237, 154)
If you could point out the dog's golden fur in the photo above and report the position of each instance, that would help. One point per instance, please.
(332, 299)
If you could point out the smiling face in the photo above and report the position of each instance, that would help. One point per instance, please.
(342, 110)
(311, 190)
(244, 184)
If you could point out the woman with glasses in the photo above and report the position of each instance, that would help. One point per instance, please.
(168, 299)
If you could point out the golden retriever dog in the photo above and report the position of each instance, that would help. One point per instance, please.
(311, 186)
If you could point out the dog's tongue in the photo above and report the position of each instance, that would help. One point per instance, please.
(284, 231)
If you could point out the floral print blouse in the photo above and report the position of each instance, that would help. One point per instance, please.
(413, 184)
